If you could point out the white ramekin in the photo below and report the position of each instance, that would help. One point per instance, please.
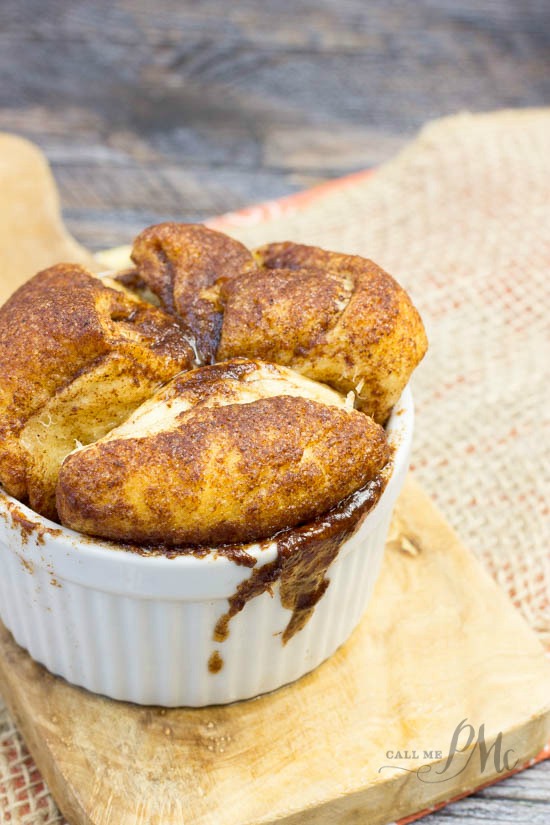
(140, 628)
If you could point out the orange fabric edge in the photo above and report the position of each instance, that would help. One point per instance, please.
(257, 213)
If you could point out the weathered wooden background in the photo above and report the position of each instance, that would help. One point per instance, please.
(154, 109)
(158, 109)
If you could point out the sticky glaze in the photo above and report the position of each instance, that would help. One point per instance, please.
(304, 555)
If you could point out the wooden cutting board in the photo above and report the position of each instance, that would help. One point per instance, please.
(32, 233)
(439, 644)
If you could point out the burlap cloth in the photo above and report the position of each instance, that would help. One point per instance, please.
(462, 218)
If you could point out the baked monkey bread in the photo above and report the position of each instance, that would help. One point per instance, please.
(246, 399)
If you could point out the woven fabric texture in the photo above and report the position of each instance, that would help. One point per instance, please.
(462, 219)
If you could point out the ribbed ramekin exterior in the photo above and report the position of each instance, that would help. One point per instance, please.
(113, 623)
(153, 651)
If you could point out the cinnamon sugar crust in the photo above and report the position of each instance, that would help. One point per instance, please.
(216, 458)
(76, 357)
(336, 318)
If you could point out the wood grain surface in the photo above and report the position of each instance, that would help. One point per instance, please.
(187, 109)
(338, 745)
(150, 111)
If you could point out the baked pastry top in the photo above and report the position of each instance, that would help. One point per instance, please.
(232, 452)
(76, 357)
(336, 318)
(248, 401)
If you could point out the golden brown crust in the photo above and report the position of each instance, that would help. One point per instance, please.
(180, 262)
(222, 454)
(336, 318)
(75, 358)
(227, 453)
(279, 315)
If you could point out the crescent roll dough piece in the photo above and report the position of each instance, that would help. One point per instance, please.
(336, 318)
(231, 452)
(179, 263)
(76, 357)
